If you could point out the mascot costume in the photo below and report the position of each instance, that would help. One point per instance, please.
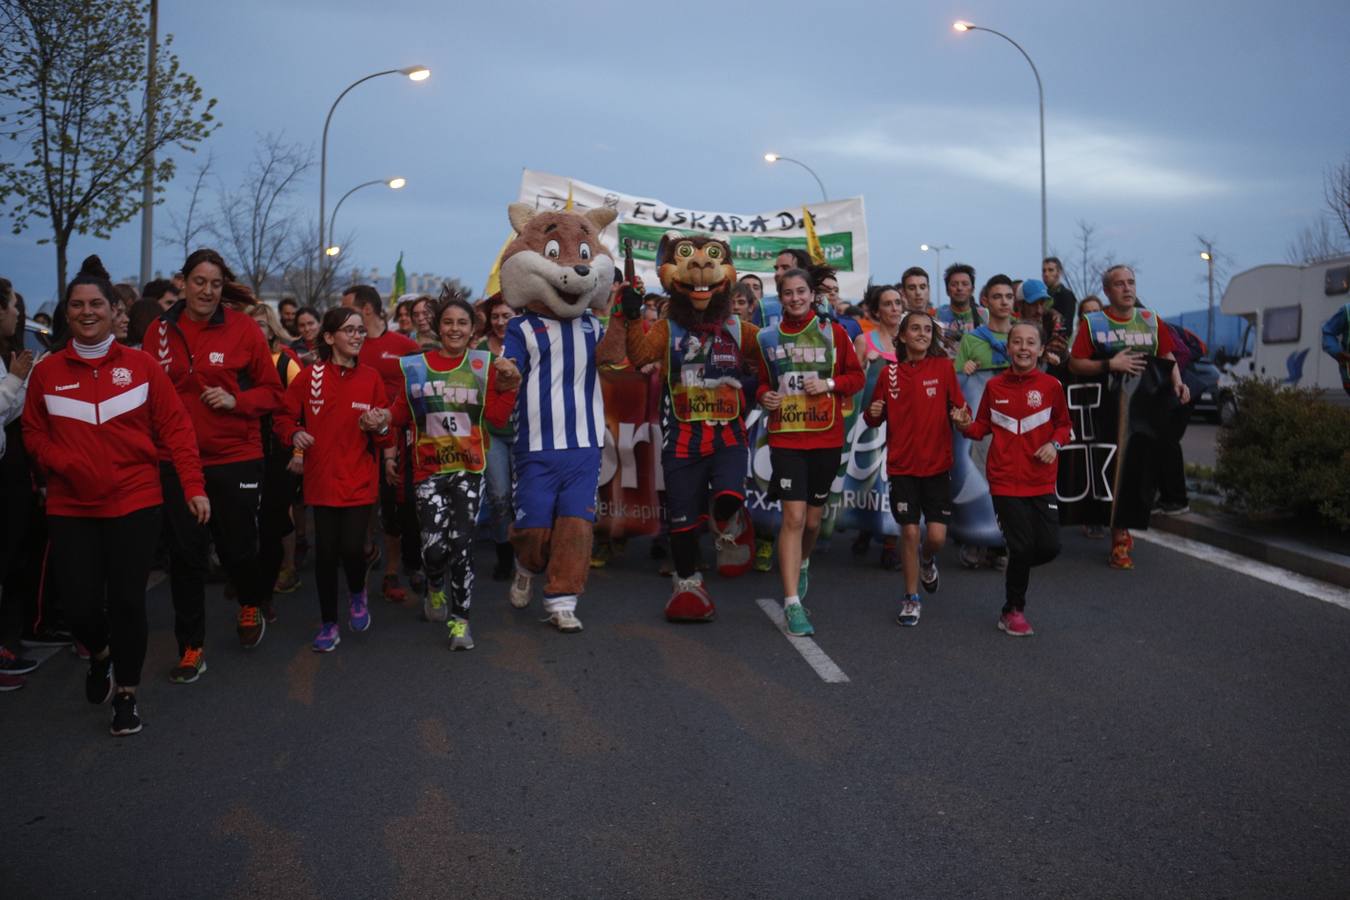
(553, 273)
(703, 350)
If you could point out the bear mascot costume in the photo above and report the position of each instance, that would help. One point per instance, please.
(704, 352)
(554, 273)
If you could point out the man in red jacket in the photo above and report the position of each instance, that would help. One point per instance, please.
(382, 350)
(1025, 410)
(222, 368)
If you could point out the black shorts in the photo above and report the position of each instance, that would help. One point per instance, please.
(931, 495)
(803, 474)
(690, 482)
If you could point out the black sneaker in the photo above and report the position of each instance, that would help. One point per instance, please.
(48, 637)
(126, 715)
(98, 684)
(15, 665)
(1173, 509)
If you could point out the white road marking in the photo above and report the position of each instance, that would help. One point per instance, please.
(1309, 587)
(809, 649)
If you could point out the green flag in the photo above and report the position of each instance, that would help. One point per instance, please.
(400, 286)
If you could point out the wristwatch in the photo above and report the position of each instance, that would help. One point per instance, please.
(829, 383)
(1057, 445)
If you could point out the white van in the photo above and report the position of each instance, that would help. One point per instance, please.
(1287, 305)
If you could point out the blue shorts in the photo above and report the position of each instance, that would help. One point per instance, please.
(690, 483)
(551, 484)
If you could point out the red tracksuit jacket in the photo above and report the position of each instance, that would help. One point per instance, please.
(918, 397)
(227, 351)
(342, 467)
(1023, 412)
(97, 429)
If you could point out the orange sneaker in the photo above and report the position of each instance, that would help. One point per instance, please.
(189, 668)
(1120, 552)
(251, 626)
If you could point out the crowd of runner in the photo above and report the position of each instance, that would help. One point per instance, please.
(196, 429)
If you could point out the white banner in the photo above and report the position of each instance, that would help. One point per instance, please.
(755, 238)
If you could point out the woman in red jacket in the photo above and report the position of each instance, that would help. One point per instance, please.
(1025, 410)
(808, 370)
(336, 413)
(97, 418)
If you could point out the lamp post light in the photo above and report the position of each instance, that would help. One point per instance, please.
(937, 248)
(774, 157)
(1208, 256)
(1040, 95)
(414, 73)
(394, 184)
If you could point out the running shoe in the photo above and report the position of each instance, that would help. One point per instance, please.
(565, 621)
(358, 613)
(928, 574)
(1120, 553)
(600, 553)
(1173, 509)
(15, 665)
(390, 590)
(910, 608)
(763, 555)
(520, 588)
(126, 718)
(461, 638)
(327, 639)
(798, 622)
(435, 608)
(189, 668)
(288, 580)
(11, 682)
(1014, 624)
(80, 650)
(1096, 532)
(251, 626)
(804, 579)
(98, 684)
(973, 557)
(48, 637)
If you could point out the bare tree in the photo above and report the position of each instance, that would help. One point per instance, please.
(196, 221)
(314, 285)
(255, 222)
(1316, 241)
(1086, 266)
(1336, 190)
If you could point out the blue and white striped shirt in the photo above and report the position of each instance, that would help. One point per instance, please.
(560, 406)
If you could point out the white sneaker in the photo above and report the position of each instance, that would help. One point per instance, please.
(520, 588)
(565, 621)
(928, 575)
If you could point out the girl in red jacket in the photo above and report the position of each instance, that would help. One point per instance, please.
(336, 412)
(917, 398)
(1024, 409)
(97, 418)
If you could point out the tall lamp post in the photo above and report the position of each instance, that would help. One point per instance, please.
(774, 157)
(937, 248)
(414, 73)
(394, 184)
(1040, 94)
(1208, 256)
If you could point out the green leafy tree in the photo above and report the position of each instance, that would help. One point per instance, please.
(73, 76)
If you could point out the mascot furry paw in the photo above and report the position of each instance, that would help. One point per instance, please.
(704, 351)
(555, 272)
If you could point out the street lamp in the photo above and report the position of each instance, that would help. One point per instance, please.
(393, 184)
(1040, 94)
(937, 248)
(414, 73)
(1208, 256)
(774, 157)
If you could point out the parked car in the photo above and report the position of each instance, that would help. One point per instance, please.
(1203, 378)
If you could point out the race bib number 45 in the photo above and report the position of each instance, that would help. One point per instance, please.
(448, 424)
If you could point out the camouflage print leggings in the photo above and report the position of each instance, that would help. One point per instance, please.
(447, 507)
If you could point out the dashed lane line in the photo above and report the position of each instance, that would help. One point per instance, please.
(1309, 587)
(809, 649)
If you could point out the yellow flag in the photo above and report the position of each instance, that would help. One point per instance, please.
(570, 202)
(494, 282)
(812, 242)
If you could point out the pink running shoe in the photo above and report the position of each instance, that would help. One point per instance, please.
(1015, 624)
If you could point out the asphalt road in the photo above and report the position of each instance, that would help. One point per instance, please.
(1178, 731)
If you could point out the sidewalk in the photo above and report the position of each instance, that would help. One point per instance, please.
(1320, 559)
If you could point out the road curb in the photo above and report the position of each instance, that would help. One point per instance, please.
(1314, 562)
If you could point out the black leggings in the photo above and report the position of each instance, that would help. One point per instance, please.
(684, 544)
(1031, 530)
(447, 507)
(274, 520)
(233, 490)
(102, 566)
(339, 535)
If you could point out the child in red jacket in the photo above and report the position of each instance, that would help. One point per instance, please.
(1024, 409)
(917, 396)
(337, 413)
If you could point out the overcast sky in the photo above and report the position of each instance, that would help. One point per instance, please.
(1163, 120)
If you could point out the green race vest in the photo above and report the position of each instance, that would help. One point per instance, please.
(1109, 337)
(447, 409)
(789, 358)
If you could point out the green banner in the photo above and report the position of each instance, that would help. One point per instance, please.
(749, 253)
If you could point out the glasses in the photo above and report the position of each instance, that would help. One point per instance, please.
(352, 331)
